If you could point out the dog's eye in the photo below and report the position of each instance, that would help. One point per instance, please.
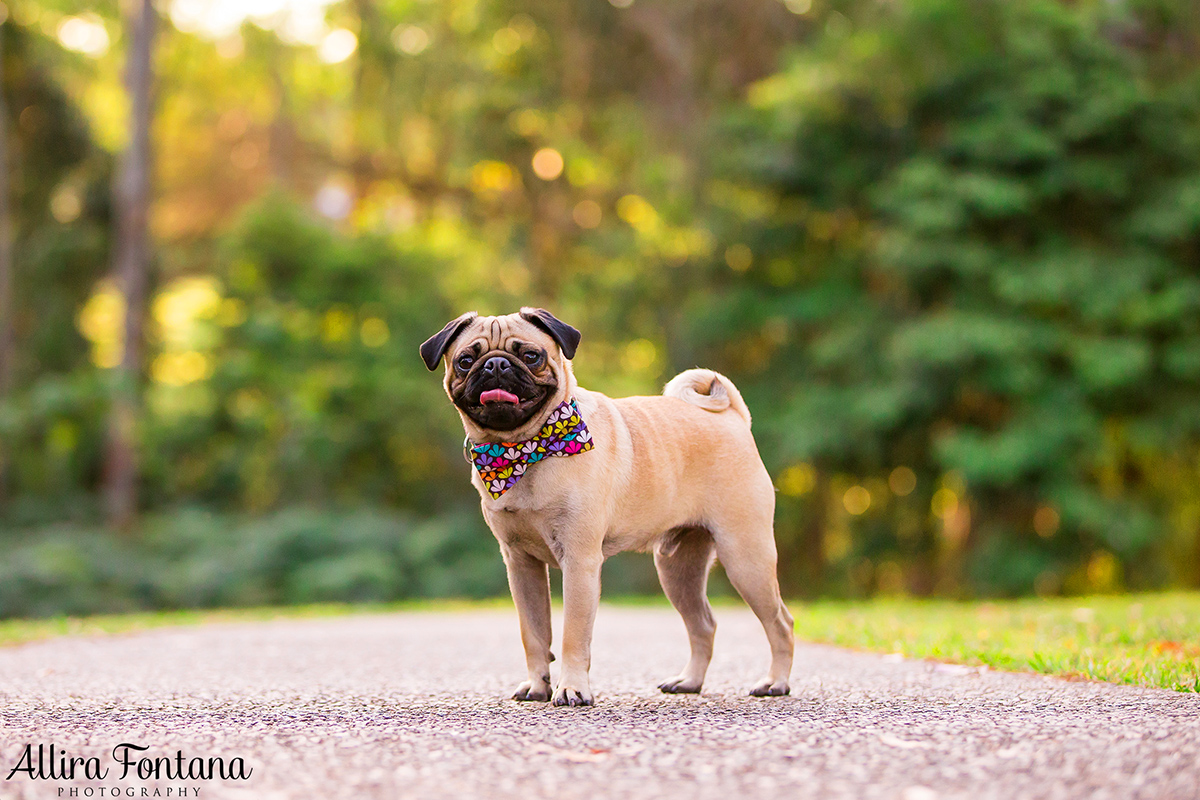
(464, 362)
(532, 358)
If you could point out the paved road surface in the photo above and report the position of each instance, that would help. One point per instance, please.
(413, 705)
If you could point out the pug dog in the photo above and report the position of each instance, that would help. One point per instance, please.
(569, 477)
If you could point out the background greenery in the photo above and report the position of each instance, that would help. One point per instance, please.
(949, 249)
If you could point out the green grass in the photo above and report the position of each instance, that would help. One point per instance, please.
(1144, 640)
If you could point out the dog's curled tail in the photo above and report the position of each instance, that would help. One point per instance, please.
(709, 390)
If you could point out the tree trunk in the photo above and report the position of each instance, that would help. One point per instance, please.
(281, 136)
(131, 269)
(6, 267)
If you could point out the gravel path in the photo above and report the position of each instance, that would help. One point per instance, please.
(412, 705)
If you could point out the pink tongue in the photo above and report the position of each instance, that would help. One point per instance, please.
(498, 396)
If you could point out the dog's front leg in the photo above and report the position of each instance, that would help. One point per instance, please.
(529, 581)
(581, 595)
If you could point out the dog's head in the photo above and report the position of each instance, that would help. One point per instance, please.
(505, 374)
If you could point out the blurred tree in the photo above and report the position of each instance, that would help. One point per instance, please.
(947, 252)
(59, 208)
(979, 268)
(6, 254)
(297, 381)
(131, 268)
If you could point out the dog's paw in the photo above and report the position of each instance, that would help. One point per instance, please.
(567, 695)
(769, 689)
(680, 685)
(538, 691)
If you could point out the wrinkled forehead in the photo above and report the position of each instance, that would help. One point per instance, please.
(502, 333)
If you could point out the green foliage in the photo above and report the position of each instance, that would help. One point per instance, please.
(60, 207)
(1006, 197)
(947, 248)
(315, 391)
(201, 560)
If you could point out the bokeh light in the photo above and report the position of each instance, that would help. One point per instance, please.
(410, 39)
(739, 257)
(944, 503)
(337, 46)
(334, 200)
(507, 41)
(587, 214)
(374, 332)
(857, 500)
(547, 163)
(902, 481)
(797, 480)
(1045, 521)
(83, 34)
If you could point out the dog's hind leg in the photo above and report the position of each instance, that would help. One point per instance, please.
(746, 549)
(683, 560)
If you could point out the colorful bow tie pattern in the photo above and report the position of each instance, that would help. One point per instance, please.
(502, 464)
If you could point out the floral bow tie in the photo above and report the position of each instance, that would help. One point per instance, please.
(502, 465)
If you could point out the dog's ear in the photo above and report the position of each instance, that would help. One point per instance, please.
(435, 346)
(566, 336)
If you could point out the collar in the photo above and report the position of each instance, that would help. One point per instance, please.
(502, 464)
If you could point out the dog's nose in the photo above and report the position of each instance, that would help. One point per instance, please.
(496, 366)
